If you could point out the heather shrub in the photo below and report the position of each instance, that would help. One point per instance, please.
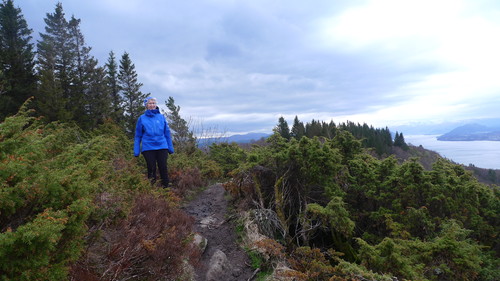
(151, 243)
(186, 180)
(180, 163)
(310, 264)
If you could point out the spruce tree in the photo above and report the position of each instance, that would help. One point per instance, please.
(313, 129)
(72, 86)
(83, 66)
(399, 141)
(90, 95)
(16, 60)
(98, 105)
(387, 137)
(282, 128)
(182, 136)
(131, 92)
(55, 67)
(298, 129)
(114, 89)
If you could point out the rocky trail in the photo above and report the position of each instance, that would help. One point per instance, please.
(223, 259)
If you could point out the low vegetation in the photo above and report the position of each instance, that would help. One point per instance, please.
(343, 214)
(76, 205)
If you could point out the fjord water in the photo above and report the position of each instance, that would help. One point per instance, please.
(482, 154)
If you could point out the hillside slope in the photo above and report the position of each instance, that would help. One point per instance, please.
(472, 132)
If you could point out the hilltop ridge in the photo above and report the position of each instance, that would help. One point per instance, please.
(472, 132)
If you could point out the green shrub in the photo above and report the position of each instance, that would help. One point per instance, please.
(50, 175)
(227, 155)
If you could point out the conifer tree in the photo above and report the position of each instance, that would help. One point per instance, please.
(114, 90)
(386, 135)
(55, 67)
(282, 128)
(91, 102)
(313, 129)
(82, 67)
(131, 92)
(71, 83)
(399, 140)
(182, 136)
(298, 129)
(16, 59)
(97, 95)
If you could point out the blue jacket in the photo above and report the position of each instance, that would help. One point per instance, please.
(153, 131)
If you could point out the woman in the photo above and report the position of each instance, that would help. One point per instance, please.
(153, 131)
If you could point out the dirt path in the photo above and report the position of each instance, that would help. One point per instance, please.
(209, 209)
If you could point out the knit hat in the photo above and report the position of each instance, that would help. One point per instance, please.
(146, 100)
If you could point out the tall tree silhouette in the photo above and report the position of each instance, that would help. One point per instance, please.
(91, 96)
(55, 68)
(114, 89)
(298, 129)
(182, 136)
(98, 104)
(72, 85)
(282, 128)
(399, 140)
(131, 92)
(16, 60)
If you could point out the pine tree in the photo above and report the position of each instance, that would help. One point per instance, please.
(282, 128)
(55, 67)
(313, 129)
(114, 89)
(83, 67)
(97, 94)
(298, 129)
(16, 60)
(399, 141)
(72, 86)
(387, 137)
(182, 136)
(131, 92)
(90, 95)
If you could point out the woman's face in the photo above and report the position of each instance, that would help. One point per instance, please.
(151, 104)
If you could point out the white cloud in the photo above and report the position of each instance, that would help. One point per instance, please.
(388, 23)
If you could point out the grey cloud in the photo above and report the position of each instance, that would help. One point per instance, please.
(217, 50)
(253, 59)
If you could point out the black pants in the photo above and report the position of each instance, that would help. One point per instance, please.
(159, 157)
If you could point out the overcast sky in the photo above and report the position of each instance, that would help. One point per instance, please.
(239, 65)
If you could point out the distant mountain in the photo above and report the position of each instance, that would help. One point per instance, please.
(247, 137)
(243, 138)
(420, 128)
(472, 132)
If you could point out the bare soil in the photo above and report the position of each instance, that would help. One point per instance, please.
(217, 225)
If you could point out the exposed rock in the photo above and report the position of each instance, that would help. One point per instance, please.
(200, 242)
(208, 221)
(252, 233)
(188, 272)
(218, 267)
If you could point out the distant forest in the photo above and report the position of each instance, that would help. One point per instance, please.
(381, 140)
